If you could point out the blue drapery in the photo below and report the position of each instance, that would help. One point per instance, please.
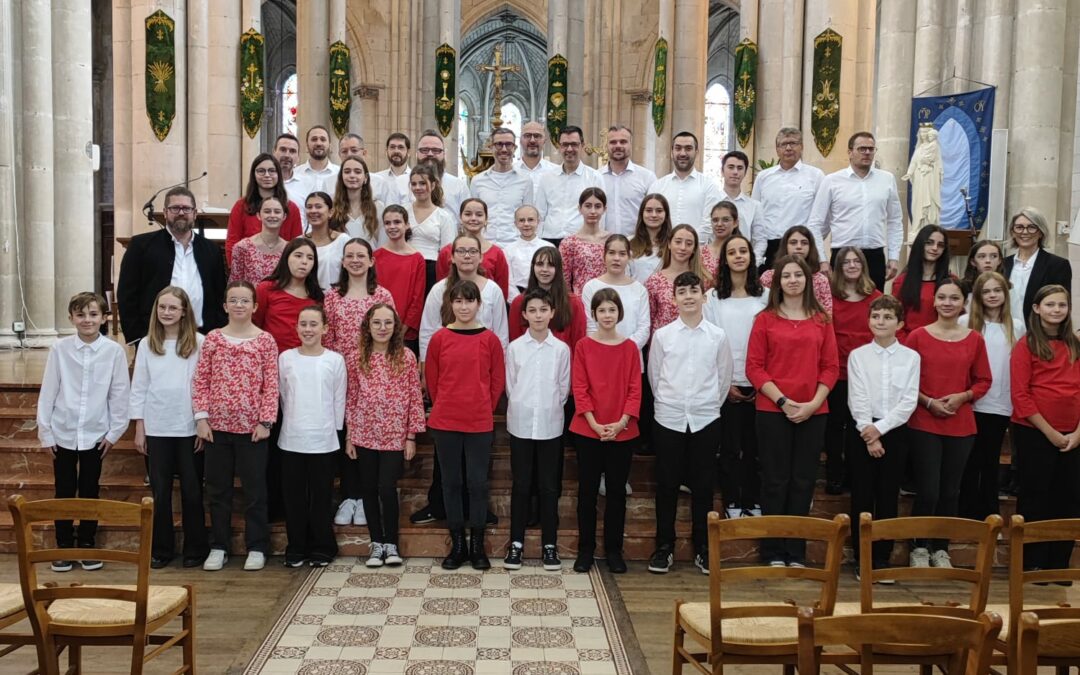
(964, 123)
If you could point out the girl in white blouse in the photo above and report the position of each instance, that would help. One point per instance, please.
(634, 297)
(160, 406)
(432, 225)
(312, 382)
(651, 234)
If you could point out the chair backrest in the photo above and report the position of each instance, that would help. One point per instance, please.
(915, 635)
(36, 597)
(982, 533)
(831, 532)
(1052, 642)
(1020, 533)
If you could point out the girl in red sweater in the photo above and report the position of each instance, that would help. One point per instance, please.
(474, 221)
(954, 372)
(292, 287)
(264, 181)
(1045, 370)
(403, 272)
(927, 265)
(464, 364)
(852, 291)
(791, 361)
(606, 381)
(567, 312)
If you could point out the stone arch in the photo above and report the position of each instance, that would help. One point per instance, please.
(483, 10)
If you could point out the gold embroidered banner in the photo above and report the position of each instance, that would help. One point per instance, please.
(825, 104)
(160, 72)
(659, 86)
(340, 99)
(252, 87)
(445, 88)
(745, 89)
(556, 112)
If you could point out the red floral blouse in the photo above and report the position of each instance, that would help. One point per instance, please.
(344, 316)
(236, 383)
(662, 309)
(251, 264)
(582, 261)
(383, 408)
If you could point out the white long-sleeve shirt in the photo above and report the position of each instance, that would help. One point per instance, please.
(492, 313)
(84, 394)
(429, 236)
(749, 213)
(860, 212)
(736, 316)
(542, 168)
(883, 385)
(389, 188)
(312, 401)
(557, 200)
(519, 254)
(503, 192)
(455, 190)
(691, 200)
(690, 374)
(786, 198)
(537, 385)
(624, 193)
(161, 390)
(635, 323)
(997, 401)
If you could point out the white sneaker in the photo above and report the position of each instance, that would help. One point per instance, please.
(756, 511)
(603, 486)
(358, 516)
(733, 512)
(216, 560)
(392, 557)
(629, 490)
(256, 560)
(919, 557)
(941, 559)
(375, 558)
(345, 512)
(685, 489)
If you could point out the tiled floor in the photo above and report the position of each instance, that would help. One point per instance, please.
(422, 620)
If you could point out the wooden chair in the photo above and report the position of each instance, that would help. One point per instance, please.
(755, 632)
(964, 644)
(1052, 642)
(78, 615)
(1021, 533)
(12, 611)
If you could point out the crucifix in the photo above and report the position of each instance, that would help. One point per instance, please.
(497, 69)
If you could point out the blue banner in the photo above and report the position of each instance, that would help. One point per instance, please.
(964, 123)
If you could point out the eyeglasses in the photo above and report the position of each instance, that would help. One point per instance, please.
(532, 137)
(238, 301)
(789, 144)
(467, 251)
(503, 146)
(176, 210)
(266, 172)
(1020, 227)
(852, 263)
(570, 144)
(865, 150)
(429, 151)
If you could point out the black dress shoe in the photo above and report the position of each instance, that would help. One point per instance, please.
(194, 562)
(615, 562)
(583, 563)
(159, 563)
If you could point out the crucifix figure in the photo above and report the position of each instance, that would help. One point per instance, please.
(497, 69)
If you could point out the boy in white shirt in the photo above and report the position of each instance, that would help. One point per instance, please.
(537, 385)
(81, 414)
(883, 390)
(519, 253)
(690, 370)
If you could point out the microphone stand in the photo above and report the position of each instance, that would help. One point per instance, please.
(148, 207)
(970, 216)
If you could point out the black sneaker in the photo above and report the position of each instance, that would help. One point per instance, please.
(423, 516)
(159, 563)
(293, 562)
(615, 562)
(551, 560)
(91, 565)
(514, 554)
(583, 564)
(660, 562)
(62, 565)
(701, 559)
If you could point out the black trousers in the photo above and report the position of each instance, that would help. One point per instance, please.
(875, 263)
(789, 455)
(307, 486)
(536, 463)
(229, 455)
(429, 276)
(689, 455)
(168, 457)
(76, 474)
(740, 477)
(771, 247)
(596, 458)
(464, 458)
(939, 466)
(379, 472)
(875, 485)
(1049, 489)
(275, 498)
(979, 485)
(645, 418)
(838, 428)
(348, 470)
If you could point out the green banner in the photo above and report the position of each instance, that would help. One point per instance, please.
(445, 88)
(659, 86)
(160, 73)
(556, 112)
(825, 101)
(340, 98)
(745, 90)
(252, 87)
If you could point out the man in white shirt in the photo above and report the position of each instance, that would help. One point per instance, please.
(557, 198)
(532, 162)
(860, 207)
(396, 178)
(734, 167)
(318, 172)
(786, 194)
(503, 188)
(287, 153)
(690, 193)
(625, 183)
(431, 149)
(690, 369)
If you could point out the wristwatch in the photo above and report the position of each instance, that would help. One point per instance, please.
(781, 402)
(267, 425)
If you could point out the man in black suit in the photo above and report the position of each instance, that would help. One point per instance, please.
(173, 256)
(1032, 266)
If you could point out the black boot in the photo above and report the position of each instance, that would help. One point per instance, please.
(459, 552)
(477, 554)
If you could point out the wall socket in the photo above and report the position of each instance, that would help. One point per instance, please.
(18, 327)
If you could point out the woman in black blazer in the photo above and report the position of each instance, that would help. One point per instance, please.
(1028, 232)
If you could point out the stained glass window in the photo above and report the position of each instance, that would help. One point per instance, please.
(289, 105)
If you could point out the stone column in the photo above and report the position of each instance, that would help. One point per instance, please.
(689, 68)
(431, 43)
(791, 65)
(38, 211)
(1068, 120)
(658, 147)
(73, 129)
(122, 126)
(575, 54)
(312, 66)
(769, 111)
(748, 28)
(896, 61)
(929, 38)
(250, 17)
(1037, 76)
(227, 164)
(865, 56)
(10, 304)
(997, 55)
(962, 39)
(198, 145)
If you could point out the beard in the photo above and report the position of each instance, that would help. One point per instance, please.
(317, 152)
(180, 225)
(438, 164)
(396, 160)
(684, 164)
